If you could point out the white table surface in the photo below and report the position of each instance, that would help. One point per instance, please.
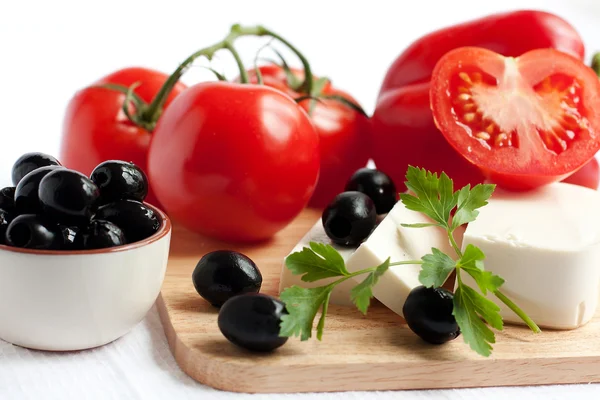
(48, 50)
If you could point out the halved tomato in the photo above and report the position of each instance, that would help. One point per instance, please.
(524, 121)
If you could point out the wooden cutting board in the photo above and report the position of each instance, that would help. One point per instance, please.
(373, 352)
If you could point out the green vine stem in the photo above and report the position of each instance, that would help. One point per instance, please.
(152, 112)
(596, 64)
(239, 62)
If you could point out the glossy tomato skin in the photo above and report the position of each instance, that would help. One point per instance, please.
(345, 145)
(588, 175)
(404, 134)
(235, 162)
(510, 34)
(344, 133)
(95, 129)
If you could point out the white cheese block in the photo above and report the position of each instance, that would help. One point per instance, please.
(390, 239)
(546, 245)
(341, 293)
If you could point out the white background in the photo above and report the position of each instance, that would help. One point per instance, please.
(50, 49)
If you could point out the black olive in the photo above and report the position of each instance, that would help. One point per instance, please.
(135, 219)
(350, 218)
(120, 180)
(34, 232)
(252, 321)
(68, 196)
(428, 313)
(222, 274)
(377, 185)
(101, 234)
(30, 162)
(5, 219)
(7, 198)
(27, 200)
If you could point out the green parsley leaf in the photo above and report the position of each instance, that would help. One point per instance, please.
(318, 262)
(472, 257)
(469, 200)
(435, 268)
(435, 195)
(472, 263)
(302, 305)
(469, 308)
(321, 323)
(362, 293)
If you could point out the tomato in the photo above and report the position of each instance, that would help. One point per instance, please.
(344, 133)
(588, 175)
(511, 34)
(404, 134)
(524, 121)
(95, 128)
(236, 162)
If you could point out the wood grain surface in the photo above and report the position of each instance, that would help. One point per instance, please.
(373, 352)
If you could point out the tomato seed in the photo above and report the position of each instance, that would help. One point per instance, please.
(469, 117)
(465, 77)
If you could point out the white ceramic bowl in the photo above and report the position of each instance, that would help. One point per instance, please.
(74, 300)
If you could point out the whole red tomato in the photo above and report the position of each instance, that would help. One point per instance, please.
(404, 132)
(234, 161)
(96, 129)
(344, 132)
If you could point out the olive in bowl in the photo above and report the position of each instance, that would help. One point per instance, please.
(79, 299)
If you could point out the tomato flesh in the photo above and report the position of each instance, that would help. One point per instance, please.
(523, 121)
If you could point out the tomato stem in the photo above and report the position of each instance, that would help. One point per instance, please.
(596, 64)
(306, 86)
(152, 112)
(238, 60)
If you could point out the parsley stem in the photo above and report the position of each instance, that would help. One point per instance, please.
(501, 296)
(352, 275)
(362, 271)
(509, 303)
(369, 270)
(410, 262)
(454, 244)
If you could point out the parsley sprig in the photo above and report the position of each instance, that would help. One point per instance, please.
(435, 197)
(316, 262)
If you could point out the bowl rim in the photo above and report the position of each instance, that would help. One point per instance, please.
(165, 228)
